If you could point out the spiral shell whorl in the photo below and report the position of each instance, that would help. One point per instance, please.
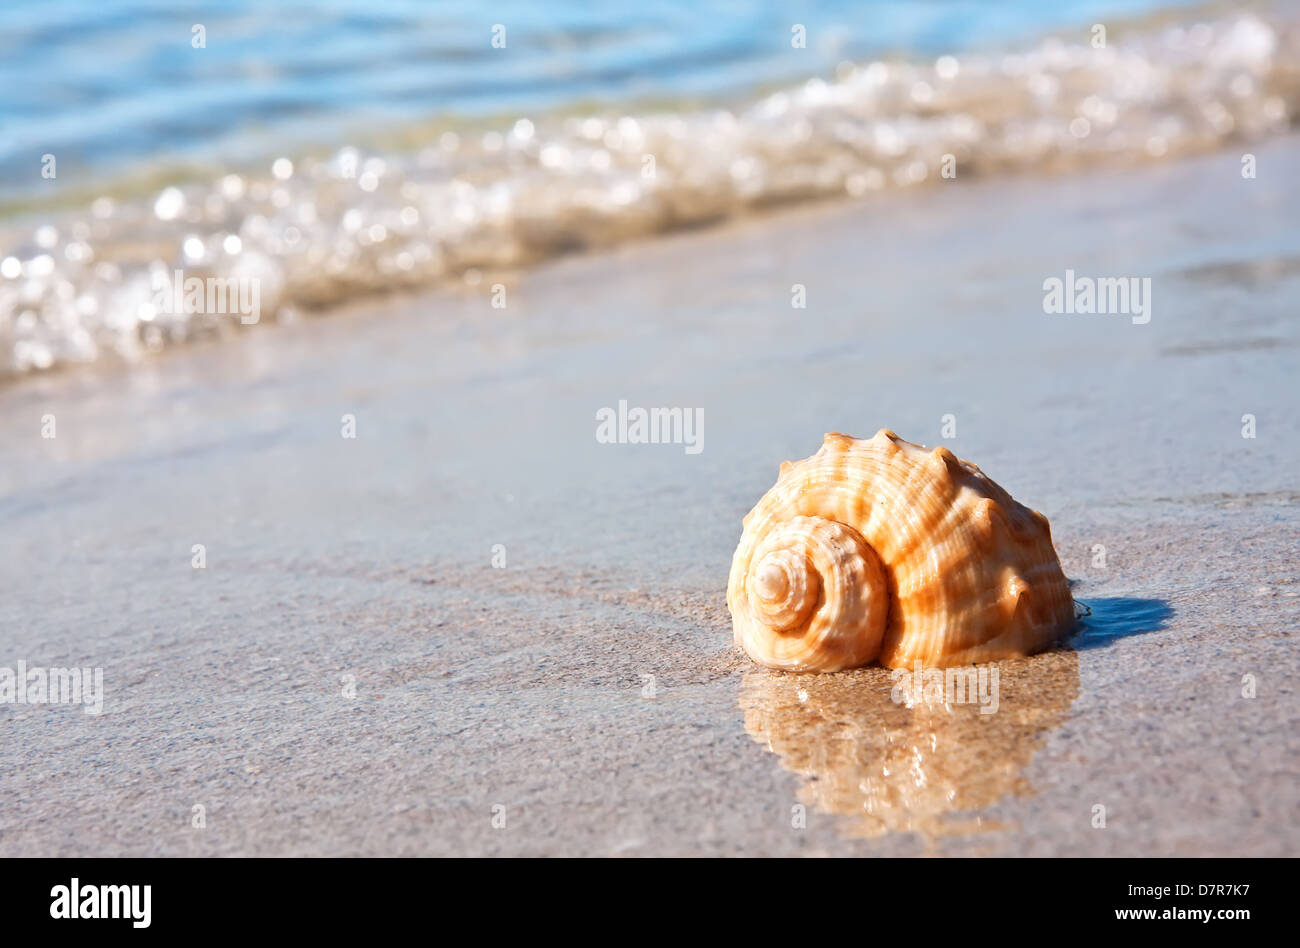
(881, 550)
(784, 588)
(815, 597)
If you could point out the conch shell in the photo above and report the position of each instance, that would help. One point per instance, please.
(879, 550)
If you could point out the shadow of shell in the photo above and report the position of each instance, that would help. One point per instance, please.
(924, 768)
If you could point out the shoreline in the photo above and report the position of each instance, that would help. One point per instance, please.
(246, 155)
(312, 233)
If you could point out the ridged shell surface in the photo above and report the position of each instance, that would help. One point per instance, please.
(880, 550)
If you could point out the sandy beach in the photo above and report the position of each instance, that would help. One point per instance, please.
(351, 674)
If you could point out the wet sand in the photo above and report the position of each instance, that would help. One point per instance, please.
(525, 687)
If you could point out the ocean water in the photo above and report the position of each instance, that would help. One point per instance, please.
(316, 152)
(104, 84)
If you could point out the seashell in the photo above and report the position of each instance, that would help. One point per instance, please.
(880, 550)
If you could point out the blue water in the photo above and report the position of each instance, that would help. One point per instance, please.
(103, 84)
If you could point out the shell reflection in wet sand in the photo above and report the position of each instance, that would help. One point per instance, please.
(925, 768)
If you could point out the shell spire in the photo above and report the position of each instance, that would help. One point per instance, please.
(880, 550)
